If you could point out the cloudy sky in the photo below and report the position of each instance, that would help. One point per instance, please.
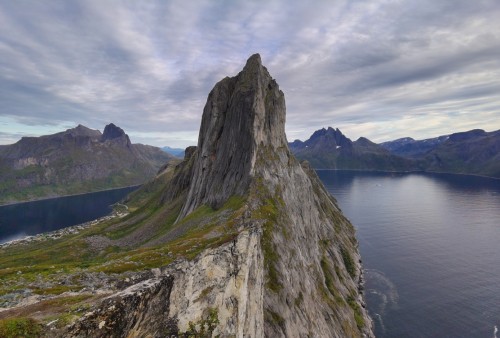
(382, 69)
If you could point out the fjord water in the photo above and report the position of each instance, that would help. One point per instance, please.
(430, 249)
(31, 218)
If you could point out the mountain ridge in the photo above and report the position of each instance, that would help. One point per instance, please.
(77, 160)
(330, 149)
(473, 152)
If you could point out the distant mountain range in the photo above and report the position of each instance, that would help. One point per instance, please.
(177, 152)
(330, 149)
(408, 147)
(77, 160)
(473, 152)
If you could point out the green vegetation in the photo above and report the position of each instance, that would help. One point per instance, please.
(19, 327)
(269, 212)
(329, 280)
(358, 315)
(348, 262)
(203, 328)
(55, 266)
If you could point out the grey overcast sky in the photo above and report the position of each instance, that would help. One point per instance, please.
(382, 69)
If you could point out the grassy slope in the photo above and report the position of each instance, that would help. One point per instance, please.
(56, 266)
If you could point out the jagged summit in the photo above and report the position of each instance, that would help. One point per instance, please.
(242, 113)
(112, 132)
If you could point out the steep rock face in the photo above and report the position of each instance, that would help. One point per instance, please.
(229, 278)
(241, 114)
(288, 265)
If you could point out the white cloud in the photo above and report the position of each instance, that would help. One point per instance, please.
(383, 68)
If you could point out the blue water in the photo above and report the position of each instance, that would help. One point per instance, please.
(430, 248)
(31, 218)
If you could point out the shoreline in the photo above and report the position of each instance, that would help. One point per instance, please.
(70, 195)
(72, 229)
(410, 172)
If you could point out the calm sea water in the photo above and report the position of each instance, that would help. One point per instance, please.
(31, 218)
(430, 247)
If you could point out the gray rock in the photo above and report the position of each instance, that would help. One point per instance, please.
(242, 114)
(292, 270)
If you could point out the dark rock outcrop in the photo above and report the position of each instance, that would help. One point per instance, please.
(112, 132)
(130, 311)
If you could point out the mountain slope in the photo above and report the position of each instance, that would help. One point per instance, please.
(242, 240)
(330, 149)
(74, 161)
(408, 147)
(473, 152)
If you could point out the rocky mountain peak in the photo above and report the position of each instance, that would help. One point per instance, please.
(242, 153)
(328, 139)
(265, 250)
(242, 114)
(113, 132)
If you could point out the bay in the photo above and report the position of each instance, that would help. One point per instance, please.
(31, 218)
(429, 244)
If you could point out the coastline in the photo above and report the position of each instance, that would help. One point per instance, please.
(72, 229)
(78, 194)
